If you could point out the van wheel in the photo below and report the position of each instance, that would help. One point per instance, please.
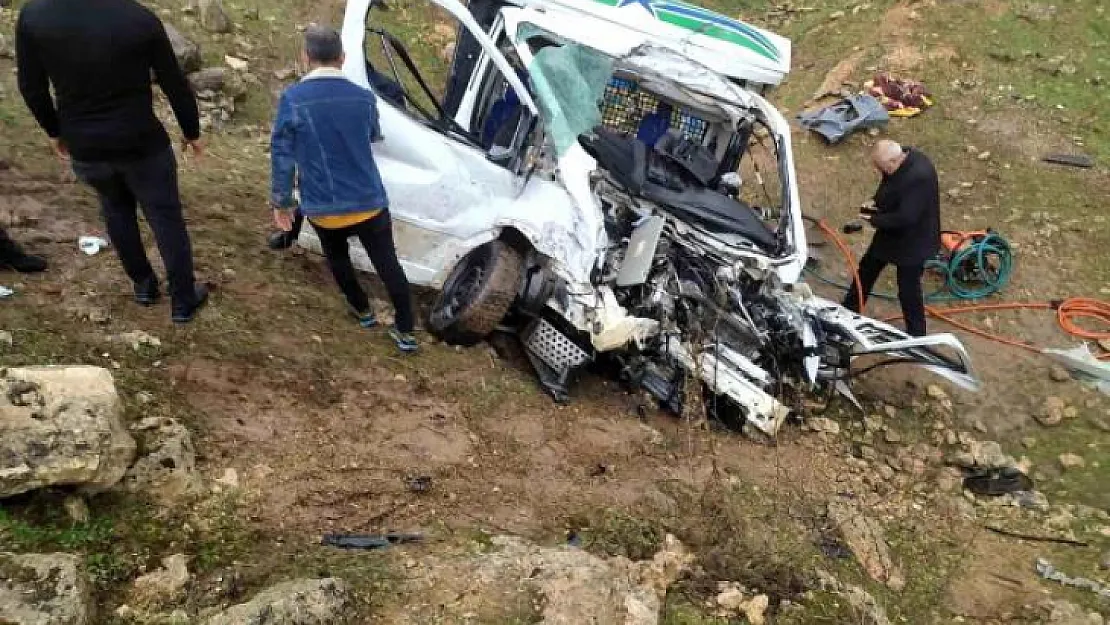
(477, 295)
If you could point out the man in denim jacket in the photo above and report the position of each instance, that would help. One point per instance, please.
(321, 138)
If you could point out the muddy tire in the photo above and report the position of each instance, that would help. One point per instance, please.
(477, 295)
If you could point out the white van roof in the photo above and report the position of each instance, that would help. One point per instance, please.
(730, 47)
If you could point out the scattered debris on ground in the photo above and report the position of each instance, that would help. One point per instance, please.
(900, 96)
(1049, 572)
(368, 541)
(1071, 160)
(996, 482)
(837, 121)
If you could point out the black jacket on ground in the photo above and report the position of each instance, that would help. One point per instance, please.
(907, 218)
(99, 56)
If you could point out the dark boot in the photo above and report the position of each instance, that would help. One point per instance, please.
(147, 293)
(184, 313)
(12, 256)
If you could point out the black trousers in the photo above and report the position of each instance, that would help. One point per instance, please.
(376, 236)
(910, 295)
(151, 183)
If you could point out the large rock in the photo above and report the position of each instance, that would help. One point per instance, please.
(300, 602)
(579, 587)
(43, 589)
(186, 51)
(513, 580)
(214, 17)
(218, 80)
(168, 467)
(61, 426)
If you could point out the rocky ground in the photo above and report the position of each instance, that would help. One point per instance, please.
(154, 474)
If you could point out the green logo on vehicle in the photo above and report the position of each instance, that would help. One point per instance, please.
(705, 22)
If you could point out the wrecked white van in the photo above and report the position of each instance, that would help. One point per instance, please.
(609, 172)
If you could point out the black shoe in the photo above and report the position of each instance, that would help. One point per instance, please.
(281, 240)
(185, 315)
(24, 263)
(148, 293)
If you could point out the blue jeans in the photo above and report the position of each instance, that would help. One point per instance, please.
(151, 183)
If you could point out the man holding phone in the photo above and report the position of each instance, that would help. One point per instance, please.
(906, 219)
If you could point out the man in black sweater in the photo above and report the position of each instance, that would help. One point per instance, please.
(99, 56)
(906, 219)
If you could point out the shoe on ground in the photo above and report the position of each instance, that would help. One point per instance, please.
(24, 263)
(185, 315)
(367, 321)
(405, 341)
(281, 240)
(147, 293)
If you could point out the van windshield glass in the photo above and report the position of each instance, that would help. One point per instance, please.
(569, 80)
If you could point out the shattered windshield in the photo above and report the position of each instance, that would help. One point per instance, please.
(569, 81)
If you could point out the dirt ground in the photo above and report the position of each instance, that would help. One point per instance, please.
(329, 431)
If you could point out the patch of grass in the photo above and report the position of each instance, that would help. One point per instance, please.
(1085, 485)
(747, 537)
(821, 608)
(613, 532)
(929, 560)
(1051, 58)
(678, 611)
(124, 536)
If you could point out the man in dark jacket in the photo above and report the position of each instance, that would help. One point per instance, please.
(906, 219)
(321, 140)
(99, 55)
(385, 88)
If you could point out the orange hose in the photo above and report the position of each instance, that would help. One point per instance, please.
(848, 256)
(1068, 312)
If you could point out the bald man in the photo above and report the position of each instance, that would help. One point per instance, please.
(906, 219)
